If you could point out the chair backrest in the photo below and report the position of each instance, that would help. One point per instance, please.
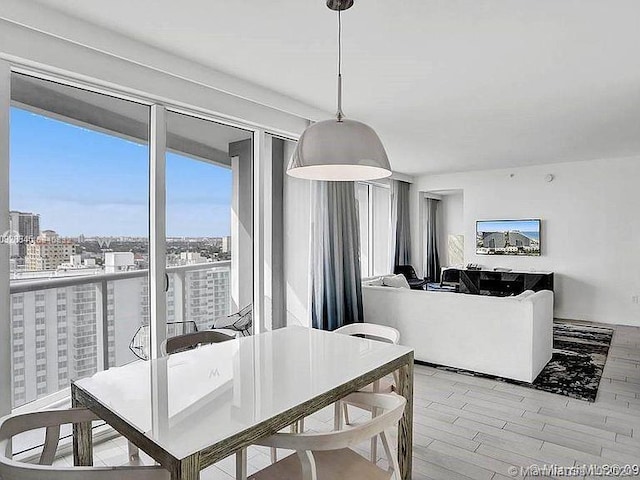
(391, 407)
(140, 343)
(407, 270)
(450, 276)
(51, 420)
(371, 330)
(240, 321)
(181, 343)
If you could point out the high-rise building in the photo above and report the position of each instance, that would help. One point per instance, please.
(119, 262)
(27, 227)
(207, 296)
(58, 333)
(48, 252)
(55, 339)
(226, 244)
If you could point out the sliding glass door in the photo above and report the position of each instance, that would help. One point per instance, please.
(100, 186)
(209, 219)
(374, 216)
(78, 234)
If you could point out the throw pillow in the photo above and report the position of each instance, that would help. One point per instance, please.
(396, 281)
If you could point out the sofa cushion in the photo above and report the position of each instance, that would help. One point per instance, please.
(373, 282)
(397, 281)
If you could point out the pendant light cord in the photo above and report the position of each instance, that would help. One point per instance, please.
(339, 42)
(339, 114)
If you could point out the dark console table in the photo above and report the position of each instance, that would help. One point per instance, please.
(491, 282)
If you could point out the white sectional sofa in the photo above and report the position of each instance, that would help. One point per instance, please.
(509, 337)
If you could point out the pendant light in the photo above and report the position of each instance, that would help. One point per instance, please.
(339, 149)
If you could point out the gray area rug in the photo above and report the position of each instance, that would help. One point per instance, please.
(579, 355)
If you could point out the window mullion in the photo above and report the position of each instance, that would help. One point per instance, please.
(157, 228)
(260, 156)
(370, 225)
(5, 297)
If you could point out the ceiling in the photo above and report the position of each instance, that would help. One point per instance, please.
(450, 85)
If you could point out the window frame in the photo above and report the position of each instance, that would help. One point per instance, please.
(371, 222)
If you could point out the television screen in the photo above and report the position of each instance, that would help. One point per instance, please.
(508, 237)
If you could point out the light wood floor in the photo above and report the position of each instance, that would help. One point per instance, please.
(467, 427)
(477, 428)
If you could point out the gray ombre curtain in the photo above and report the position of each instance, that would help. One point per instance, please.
(336, 290)
(400, 224)
(431, 267)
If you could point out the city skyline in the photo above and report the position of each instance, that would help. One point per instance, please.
(93, 184)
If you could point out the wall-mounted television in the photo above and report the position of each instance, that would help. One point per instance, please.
(508, 237)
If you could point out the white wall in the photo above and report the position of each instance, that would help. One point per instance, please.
(451, 218)
(590, 228)
(297, 214)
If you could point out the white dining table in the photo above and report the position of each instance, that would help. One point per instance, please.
(192, 409)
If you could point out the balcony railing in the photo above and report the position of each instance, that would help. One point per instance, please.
(99, 314)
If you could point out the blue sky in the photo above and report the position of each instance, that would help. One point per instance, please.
(500, 226)
(84, 182)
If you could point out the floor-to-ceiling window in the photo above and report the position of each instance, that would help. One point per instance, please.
(374, 215)
(83, 186)
(363, 196)
(209, 220)
(79, 178)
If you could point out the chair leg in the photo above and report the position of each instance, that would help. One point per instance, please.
(134, 453)
(392, 457)
(346, 413)
(374, 441)
(374, 450)
(241, 464)
(374, 413)
(297, 427)
(308, 464)
(337, 416)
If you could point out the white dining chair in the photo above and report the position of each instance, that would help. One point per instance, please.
(328, 455)
(372, 331)
(180, 343)
(51, 420)
(384, 385)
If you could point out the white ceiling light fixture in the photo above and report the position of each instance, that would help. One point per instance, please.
(339, 149)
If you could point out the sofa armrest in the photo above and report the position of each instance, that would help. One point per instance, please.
(542, 310)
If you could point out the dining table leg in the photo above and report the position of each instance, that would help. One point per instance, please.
(405, 427)
(82, 438)
(187, 469)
